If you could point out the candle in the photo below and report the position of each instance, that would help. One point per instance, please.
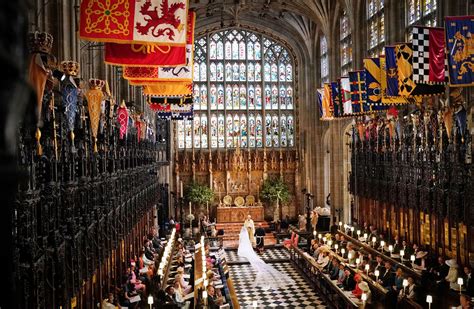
(373, 241)
(357, 262)
(324, 239)
(460, 282)
(336, 246)
(376, 273)
(358, 233)
(390, 248)
(429, 300)
(382, 244)
(402, 253)
(412, 258)
(320, 236)
(405, 284)
(367, 268)
(365, 237)
(343, 251)
(364, 297)
(340, 225)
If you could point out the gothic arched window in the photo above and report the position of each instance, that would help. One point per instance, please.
(376, 27)
(346, 45)
(243, 93)
(420, 12)
(323, 47)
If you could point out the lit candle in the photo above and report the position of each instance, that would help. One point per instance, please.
(376, 273)
(429, 300)
(390, 248)
(320, 236)
(373, 241)
(402, 253)
(382, 244)
(405, 284)
(349, 256)
(336, 246)
(314, 234)
(364, 297)
(367, 269)
(340, 225)
(352, 231)
(329, 243)
(343, 251)
(324, 239)
(412, 258)
(460, 283)
(365, 237)
(358, 233)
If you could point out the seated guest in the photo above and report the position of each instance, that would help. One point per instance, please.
(464, 301)
(214, 299)
(409, 291)
(453, 274)
(398, 280)
(349, 282)
(342, 242)
(357, 292)
(406, 249)
(170, 295)
(109, 302)
(351, 253)
(155, 239)
(341, 275)
(420, 260)
(334, 273)
(387, 278)
(329, 267)
(185, 287)
(469, 282)
(397, 245)
(132, 277)
(378, 264)
(440, 270)
(323, 259)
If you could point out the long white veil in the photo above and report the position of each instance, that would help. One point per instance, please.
(267, 276)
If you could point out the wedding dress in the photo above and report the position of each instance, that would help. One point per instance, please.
(267, 276)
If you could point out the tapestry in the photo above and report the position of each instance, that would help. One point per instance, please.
(460, 50)
(150, 54)
(131, 21)
(429, 60)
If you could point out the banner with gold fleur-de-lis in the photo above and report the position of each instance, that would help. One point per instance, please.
(460, 50)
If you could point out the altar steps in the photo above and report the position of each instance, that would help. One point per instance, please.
(232, 231)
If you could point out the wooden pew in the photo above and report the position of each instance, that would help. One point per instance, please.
(329, 290)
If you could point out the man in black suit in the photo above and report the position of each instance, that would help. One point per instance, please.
(397, 245)
(387, 277)
(378, 264)
(349, 282)
(440, 270)
(469, 280)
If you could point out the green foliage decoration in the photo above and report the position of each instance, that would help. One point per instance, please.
(198, 194)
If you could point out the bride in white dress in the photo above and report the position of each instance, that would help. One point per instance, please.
(267, 276)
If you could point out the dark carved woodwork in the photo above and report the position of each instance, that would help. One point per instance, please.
(420, 172)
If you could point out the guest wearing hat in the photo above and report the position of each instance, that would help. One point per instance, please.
(420, 260)
(357, 292)
(364, 287)
(453, 274)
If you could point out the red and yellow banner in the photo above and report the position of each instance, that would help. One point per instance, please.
(150, 54)
(133, 21)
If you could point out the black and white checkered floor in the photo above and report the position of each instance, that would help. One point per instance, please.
(268, 254)
(301, 295)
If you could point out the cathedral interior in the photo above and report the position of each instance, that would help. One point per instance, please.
(141, 137)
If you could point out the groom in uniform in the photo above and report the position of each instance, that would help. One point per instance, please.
(260, 235)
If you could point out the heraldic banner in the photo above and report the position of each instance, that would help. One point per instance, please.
(460, 49)
(131, 21)
(150, 54)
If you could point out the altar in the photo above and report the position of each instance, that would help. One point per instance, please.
(239, 214)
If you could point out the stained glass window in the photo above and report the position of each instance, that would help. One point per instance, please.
(324, 60)
(238, 76)
(346, 45)
(376, 27)
(420, 12)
